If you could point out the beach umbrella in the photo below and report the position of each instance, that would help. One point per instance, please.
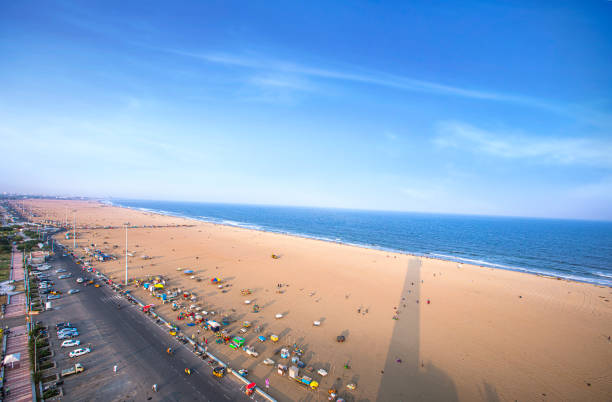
(12, 358)
(251, 385)
(159, 286)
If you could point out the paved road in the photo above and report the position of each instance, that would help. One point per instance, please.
(131, 340)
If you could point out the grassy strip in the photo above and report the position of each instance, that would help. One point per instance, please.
(5, 266)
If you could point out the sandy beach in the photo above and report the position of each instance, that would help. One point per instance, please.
(462, 332)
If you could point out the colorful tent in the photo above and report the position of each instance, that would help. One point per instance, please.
(251, 385)
(215, 280)
(159, 286)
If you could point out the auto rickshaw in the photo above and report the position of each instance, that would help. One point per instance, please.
(219, 371)
(97, 285)
(187, 371)
(250, 389)
(169, 351)
(172, 332)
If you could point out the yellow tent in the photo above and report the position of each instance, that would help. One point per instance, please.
(159, 286)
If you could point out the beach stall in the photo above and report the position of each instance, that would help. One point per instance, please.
(237, 342)
(214, 326)
(294, 372)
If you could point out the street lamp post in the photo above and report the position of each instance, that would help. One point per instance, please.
(126, 253)
(35, 356)
(74, 232)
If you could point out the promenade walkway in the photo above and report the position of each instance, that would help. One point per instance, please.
(16, 307)
(17, 379)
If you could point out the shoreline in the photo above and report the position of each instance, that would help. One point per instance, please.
(415, 327)
(431, 256)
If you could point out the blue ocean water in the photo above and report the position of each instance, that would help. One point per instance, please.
(576, 250)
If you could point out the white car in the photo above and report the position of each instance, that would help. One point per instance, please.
(80, 280)
(73, 291)
(79, 352)
(70, 342)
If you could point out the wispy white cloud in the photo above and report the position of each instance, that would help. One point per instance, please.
(357, 76)
(507, 144)
(280, 82)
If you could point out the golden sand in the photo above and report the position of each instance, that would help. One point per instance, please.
(475, 334)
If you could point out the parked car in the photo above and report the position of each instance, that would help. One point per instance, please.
(79, 352)
(61, 325)
(80, 280)
(67, 331)
(70, 342)
(53, 297)
(65, 276)
(59, 271)
(67, 335)
(73, 291)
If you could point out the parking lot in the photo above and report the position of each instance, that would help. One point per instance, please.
(128, 339)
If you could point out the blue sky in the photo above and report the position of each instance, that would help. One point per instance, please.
(475, 107)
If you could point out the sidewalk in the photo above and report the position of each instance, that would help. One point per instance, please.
(17, 379)
(17, 306)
